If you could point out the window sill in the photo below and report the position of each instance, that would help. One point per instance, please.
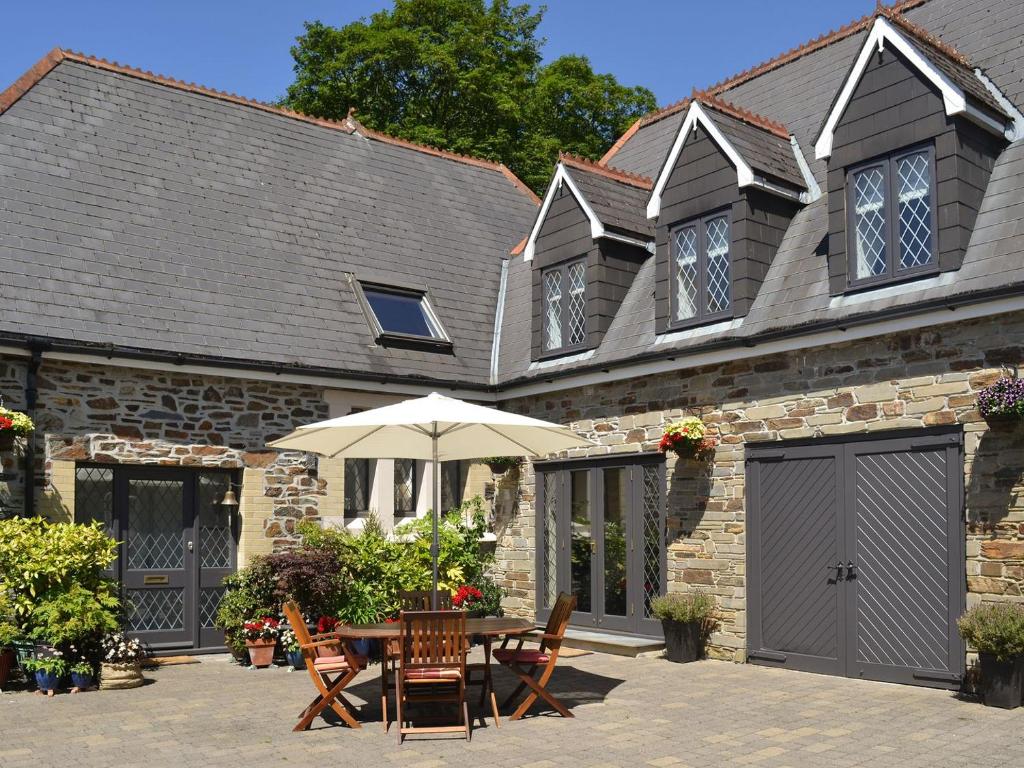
(560, 353)
(901, 278)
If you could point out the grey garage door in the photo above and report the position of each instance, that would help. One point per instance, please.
(855, 557)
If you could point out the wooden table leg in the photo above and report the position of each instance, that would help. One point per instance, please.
(488, 687)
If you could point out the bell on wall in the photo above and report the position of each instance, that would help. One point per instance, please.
(229, 500)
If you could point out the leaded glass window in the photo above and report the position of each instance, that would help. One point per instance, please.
(701, 270)
(564, 307)
(405, 487)
(891, 217)
(94, 496)
(451, 485)
(357, 487)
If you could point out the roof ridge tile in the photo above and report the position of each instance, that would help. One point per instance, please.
(616, 174)
(922, 35)
(744, 115)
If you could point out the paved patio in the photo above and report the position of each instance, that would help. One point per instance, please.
(629, 712)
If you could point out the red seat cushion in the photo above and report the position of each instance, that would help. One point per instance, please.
(509, 655)
(432, 673)
(335, 663)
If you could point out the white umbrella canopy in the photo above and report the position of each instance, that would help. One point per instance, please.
(435, 428)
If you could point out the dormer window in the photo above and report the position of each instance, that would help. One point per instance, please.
(701, 287)
(565, 300)
(401, 316)
(891, 205)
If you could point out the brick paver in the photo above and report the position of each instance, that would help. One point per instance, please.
(629, 712)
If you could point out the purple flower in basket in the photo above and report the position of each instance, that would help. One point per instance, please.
(1004, 398)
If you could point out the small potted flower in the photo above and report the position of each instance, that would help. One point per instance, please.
(48, 671)
(469, 599)
(290, 646)
(996, 632)
(499, 465)
(1003, 401)
(688, 439)
(13, 424)
(261, 639)
(687, 618)
(121, 665)
(82, 675)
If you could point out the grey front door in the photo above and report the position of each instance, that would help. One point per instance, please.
(855, 557)
(601, 537)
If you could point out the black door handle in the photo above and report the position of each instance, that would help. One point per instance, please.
(838, 566)
(850, 570)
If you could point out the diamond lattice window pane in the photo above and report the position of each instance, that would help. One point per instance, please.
(552, 310)
(915, 210)
(209, 604)
(685, 273)
(550, 572)
(869, 222)
(94, 496)
(451, 485)
(653, 541)
(357, 486)
(215, 537)
(155, 524)
(405, 486)
(577, 303)
(152, 610)
(718, 264)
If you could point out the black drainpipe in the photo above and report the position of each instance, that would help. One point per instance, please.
(31, 397)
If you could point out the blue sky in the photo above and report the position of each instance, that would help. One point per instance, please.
(667, 45)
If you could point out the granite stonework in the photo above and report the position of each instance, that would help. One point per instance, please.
(907, 380)
(117, 415)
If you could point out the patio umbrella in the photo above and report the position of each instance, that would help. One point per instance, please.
(434, 428)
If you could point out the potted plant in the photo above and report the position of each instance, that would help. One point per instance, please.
(1003, 401)
(362, 604)
(82, 675)
(48, 671)
(261, 640)
(501, 464)
(996, 632)
(121, 665)
(13, 424)
(688, 439)
(687, 618)
(292, 651)
(469, 599)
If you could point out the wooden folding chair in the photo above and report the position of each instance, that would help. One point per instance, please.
(524, 662)
(432, 667)
(408, 600)
(331, 665)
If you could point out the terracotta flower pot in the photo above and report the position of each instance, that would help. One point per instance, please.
(261, 652)
(118, 677)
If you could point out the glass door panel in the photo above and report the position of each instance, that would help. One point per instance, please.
(614, 546)
(583, 543)
(215, 546)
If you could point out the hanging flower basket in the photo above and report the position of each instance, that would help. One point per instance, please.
(688, 439)
(13, 424)
(1003, 402)
(499, 465)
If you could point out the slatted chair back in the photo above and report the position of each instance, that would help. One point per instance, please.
(558, 621)
(433, 639)
(419, 600)
(310, 654)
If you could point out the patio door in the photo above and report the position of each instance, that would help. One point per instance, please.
(177, 545)
(601, 537)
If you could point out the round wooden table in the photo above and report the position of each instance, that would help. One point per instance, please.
(487, 628)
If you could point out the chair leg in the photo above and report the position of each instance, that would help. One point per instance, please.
(519, 689)
(384, 691)
(328, 697)
(539, 688)
(398, 708)
(494, 710)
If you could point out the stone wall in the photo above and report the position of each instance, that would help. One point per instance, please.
(913, 379)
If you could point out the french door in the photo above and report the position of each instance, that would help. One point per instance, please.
(601, 537)
(177, 543)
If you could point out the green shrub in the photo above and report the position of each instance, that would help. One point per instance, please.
(251, 591)
(995, 628)
(9, 632)
(461, 559)
(684, 607)
(75, 616)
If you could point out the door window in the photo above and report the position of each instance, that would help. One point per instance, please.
(616, 572)
(583, 542)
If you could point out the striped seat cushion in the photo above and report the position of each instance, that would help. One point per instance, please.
(336, 663)
(509, 655)
(432, 673)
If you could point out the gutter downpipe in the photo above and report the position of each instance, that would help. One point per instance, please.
(31, 398)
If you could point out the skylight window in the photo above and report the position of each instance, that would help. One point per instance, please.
(402, 314)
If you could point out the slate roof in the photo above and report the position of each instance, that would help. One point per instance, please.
(152, 215)
(618, 200)
(798, 90)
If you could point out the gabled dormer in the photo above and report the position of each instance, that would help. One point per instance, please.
(729, 187)
(586, 246)
(910, 141)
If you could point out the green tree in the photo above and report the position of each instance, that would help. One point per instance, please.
(466, 76)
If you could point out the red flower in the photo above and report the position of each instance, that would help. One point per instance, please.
(466, 594)
(326, 624)
(5, 423)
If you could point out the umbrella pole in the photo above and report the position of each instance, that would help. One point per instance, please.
(435, 544)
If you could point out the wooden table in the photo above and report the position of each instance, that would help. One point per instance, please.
(487, 628)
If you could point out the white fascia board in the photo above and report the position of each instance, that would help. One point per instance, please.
(883, 32)
(744, 174)
(561, 177)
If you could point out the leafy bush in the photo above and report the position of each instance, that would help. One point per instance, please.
(251, 591)
(684, 607)
(75, 615)
(51, 665)
(995, 628)
(362, 604)
(461, 560)
(310, 576)
(9, 632)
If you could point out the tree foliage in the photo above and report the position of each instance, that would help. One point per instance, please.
(466, 76)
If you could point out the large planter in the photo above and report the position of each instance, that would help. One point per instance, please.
(682, 640)
(81, 681)
(295, 659)
(261, 652)
(119, 677)
(1002, 682)
(7, 658)
(48, 682)
(360, 647)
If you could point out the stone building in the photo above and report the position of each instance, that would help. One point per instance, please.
(819, 257)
